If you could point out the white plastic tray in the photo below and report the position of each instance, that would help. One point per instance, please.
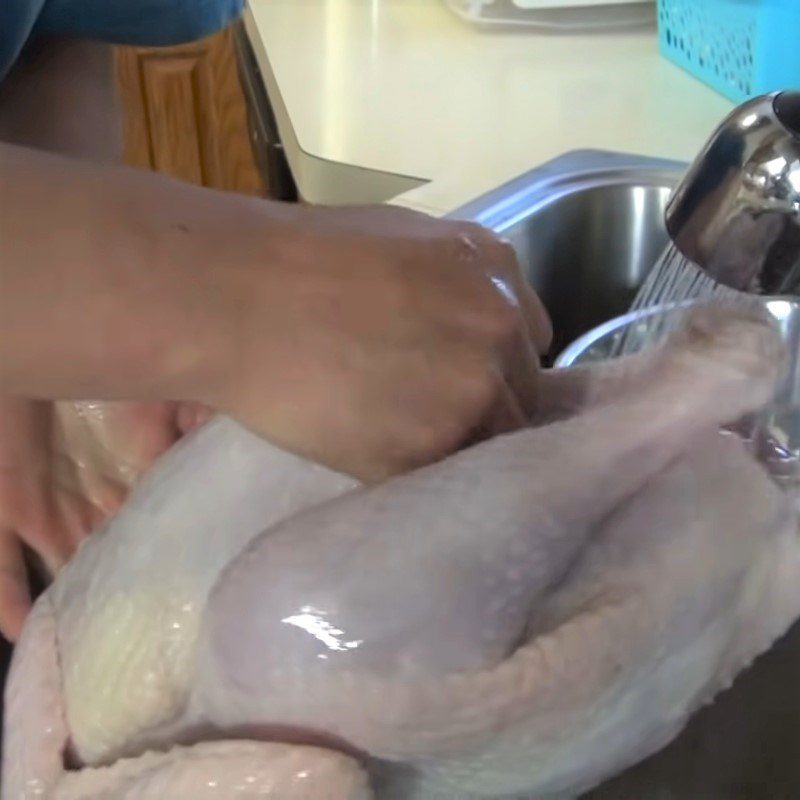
(573, 15)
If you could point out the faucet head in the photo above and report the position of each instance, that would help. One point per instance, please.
(736, 213)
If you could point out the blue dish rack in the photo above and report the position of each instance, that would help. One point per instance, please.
(742, 48)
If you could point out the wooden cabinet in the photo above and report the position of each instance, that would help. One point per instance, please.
(184, 114)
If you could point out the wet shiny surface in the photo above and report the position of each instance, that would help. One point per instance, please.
(587, 231)
(587, 227)
(587, 242)
(775, 434)
(737, 212)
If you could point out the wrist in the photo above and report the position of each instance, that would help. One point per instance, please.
(232, 281)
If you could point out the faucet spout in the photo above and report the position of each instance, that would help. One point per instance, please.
(736, 213)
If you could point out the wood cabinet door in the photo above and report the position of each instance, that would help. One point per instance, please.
(184, 114)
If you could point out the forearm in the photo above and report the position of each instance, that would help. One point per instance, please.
(112, 282)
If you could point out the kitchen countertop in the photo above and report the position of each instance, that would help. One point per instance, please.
(402, 101)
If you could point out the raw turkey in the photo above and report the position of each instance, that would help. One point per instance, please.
(522, 619)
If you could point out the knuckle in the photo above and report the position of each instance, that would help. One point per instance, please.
(473, 230)
(502, 322)
(424, 441)
(506, 254)
(442, 436)
(463, 248)
(478, 390)
(473, 242)
(445, 427)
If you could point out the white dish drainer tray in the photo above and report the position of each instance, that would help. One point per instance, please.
(557, 14)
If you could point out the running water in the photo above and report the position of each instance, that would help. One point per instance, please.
(674, 284)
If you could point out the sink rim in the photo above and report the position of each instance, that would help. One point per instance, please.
(573, 172)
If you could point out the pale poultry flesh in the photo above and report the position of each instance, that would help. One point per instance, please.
(520, 620)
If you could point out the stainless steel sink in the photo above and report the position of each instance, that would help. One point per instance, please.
(587, 228)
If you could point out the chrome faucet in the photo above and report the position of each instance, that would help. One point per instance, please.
(736, 213)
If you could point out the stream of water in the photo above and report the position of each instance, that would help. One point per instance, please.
(674, 283)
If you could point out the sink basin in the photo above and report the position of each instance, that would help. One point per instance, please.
(588, 227)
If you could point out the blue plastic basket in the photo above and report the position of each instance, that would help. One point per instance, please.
(742, 48)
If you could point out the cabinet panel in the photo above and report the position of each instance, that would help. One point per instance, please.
(184, 114)
(173, 102)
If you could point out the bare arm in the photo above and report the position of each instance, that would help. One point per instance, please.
(112, 280)
(369, 339)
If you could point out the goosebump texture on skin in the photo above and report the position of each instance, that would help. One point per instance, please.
(524, 618)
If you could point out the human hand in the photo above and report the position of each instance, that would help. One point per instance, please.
(372, 340)
(382, 339)
(64, 469)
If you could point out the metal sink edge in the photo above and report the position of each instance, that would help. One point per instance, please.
(574, 171)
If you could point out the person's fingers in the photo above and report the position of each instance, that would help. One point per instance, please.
(505, 416)
(105, 501)
(539, 319)
(29, 507)
(520, 358)
(191, 416)
(520, 371)
(15, 599)
(74, 519)
(48, 535)
(534, 314)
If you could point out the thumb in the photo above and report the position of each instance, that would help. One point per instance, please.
(15, 598)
